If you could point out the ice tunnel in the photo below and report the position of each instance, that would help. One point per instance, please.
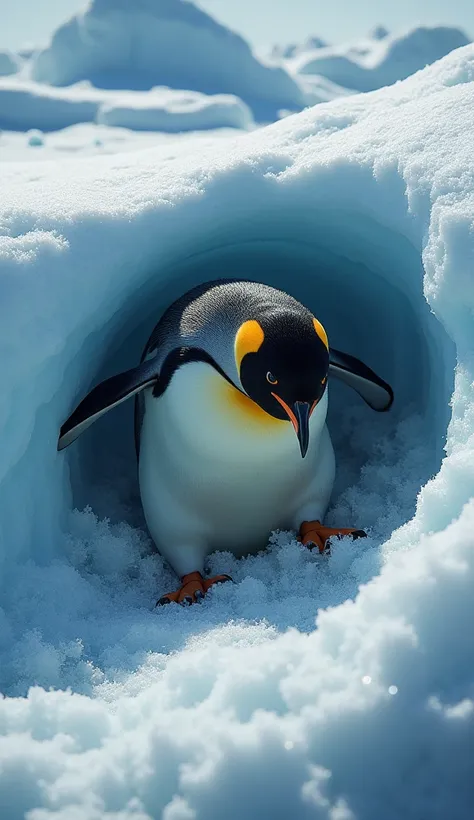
(286, 688)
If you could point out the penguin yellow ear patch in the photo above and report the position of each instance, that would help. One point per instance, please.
(321, 332)
(249, 339)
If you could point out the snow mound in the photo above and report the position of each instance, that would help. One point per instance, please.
(295, 49)
(164, 109)
(244, 707)
(318, 89)
(376, 62)
(25, 105)
(117, 44)
(9, 63)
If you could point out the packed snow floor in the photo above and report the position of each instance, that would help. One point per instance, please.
(312, 687)
(89, 139)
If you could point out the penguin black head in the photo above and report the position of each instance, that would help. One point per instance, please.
(283, 364)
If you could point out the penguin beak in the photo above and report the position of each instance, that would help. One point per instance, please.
(302, 412)
(299, 416)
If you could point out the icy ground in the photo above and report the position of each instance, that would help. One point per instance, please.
(89, 139)
(296, 692)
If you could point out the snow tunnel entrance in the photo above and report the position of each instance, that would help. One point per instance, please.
(365, 284)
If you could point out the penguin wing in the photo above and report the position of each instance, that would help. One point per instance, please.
(104, 397)
(375, 392)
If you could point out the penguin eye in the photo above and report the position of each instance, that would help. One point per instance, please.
(271, 378)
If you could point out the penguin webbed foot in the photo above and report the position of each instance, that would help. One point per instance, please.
(314, 534)
(193, 589)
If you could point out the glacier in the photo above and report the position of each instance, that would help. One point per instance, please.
(313, 687)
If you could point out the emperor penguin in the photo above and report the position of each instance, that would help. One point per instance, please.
(230, 425)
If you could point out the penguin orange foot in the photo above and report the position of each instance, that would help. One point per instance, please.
(193, 589)
(314, 534)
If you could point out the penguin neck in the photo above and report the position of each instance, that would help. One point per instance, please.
(202, 409)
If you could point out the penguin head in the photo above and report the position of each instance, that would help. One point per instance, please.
(283, 364)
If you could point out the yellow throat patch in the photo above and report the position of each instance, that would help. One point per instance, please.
(244, 411)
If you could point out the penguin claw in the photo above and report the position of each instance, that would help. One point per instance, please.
(314, 534)
(193, 590)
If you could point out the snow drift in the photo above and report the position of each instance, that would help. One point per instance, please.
(364, 209)
(26, 104)
(118, 44)
(379, 60)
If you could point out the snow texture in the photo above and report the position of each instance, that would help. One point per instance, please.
(118, 44)
(25, 105)
(379, 60)
(332, 688)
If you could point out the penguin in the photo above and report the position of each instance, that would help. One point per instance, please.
(231, 398)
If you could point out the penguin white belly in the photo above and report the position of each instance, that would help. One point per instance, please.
(217, 472)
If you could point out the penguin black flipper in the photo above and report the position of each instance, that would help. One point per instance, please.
(104, 397)
(375, 392)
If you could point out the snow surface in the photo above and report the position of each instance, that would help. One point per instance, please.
(25, 105)
(90, 140)
(377, 60)
(318, 89)
(242, 707)
(118, 44)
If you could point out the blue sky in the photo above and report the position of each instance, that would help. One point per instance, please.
(262, 22)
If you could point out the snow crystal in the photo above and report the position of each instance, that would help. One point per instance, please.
(276, 696)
